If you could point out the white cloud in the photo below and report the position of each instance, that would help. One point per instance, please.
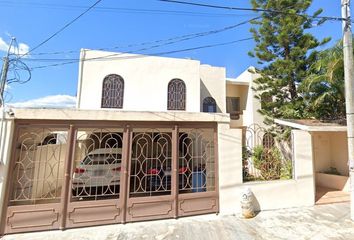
(23, 48)
(54, 101)
(20, 49)
(7, 87)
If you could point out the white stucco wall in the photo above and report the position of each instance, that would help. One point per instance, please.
(7, 136)
(104, 114)
(145, 80)
(251, 114)
(230, 167)
(296, 192)
(213, 85)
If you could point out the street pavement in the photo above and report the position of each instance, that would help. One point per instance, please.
(330, 221)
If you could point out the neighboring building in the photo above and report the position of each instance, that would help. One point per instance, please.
(240, 93)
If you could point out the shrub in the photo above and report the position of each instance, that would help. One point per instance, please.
(268, 162)
(286, 171)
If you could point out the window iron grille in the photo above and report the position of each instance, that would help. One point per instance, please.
(112, 91)
(176, 95)
(209, 104)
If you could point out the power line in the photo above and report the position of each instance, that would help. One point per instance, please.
(62, 28)
(4, 72)
(248, 9)
(116, 56)
(17, 66)
(132, 45)
(13, 67)
(164, 42)
(186, 36)
(117, 9)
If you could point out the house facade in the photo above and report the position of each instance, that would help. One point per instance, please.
(128, 82)
(151, 138)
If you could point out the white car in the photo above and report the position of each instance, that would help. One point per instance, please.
(100, 169)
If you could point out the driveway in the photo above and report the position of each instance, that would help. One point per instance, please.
(330, 221)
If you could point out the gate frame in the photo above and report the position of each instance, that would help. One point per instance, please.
(128, 126)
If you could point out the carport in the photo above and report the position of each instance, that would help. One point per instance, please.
(77, 169)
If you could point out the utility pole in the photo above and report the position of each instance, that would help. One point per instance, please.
(5, 69)
(349, 93)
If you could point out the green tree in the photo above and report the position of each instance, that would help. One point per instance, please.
(323, 89)
(285, 50)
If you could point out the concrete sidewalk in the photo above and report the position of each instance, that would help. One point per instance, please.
(319, 222)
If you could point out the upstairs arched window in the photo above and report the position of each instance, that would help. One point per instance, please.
(209, 104)
(176, 95)
(112, 91)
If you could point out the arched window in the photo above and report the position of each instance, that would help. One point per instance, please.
(209, 104)
(176, 95)
(112, 91)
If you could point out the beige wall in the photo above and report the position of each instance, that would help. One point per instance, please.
(237, 123)
(339, 152)
(213, 85)
(242, 87)
(241, 91)
(341, 183)
(322, 150)
(331, 150)
(248, 103)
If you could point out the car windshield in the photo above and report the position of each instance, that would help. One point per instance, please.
(101, 159)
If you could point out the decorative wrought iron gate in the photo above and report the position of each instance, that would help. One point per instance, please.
(66, 176)
(266, 155)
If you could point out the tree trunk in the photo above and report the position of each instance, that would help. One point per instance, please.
(291, 84)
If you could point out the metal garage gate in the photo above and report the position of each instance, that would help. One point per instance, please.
(64, 176)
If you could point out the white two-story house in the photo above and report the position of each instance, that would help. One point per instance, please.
(151, 138)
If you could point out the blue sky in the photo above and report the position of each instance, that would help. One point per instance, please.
(118, 23)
